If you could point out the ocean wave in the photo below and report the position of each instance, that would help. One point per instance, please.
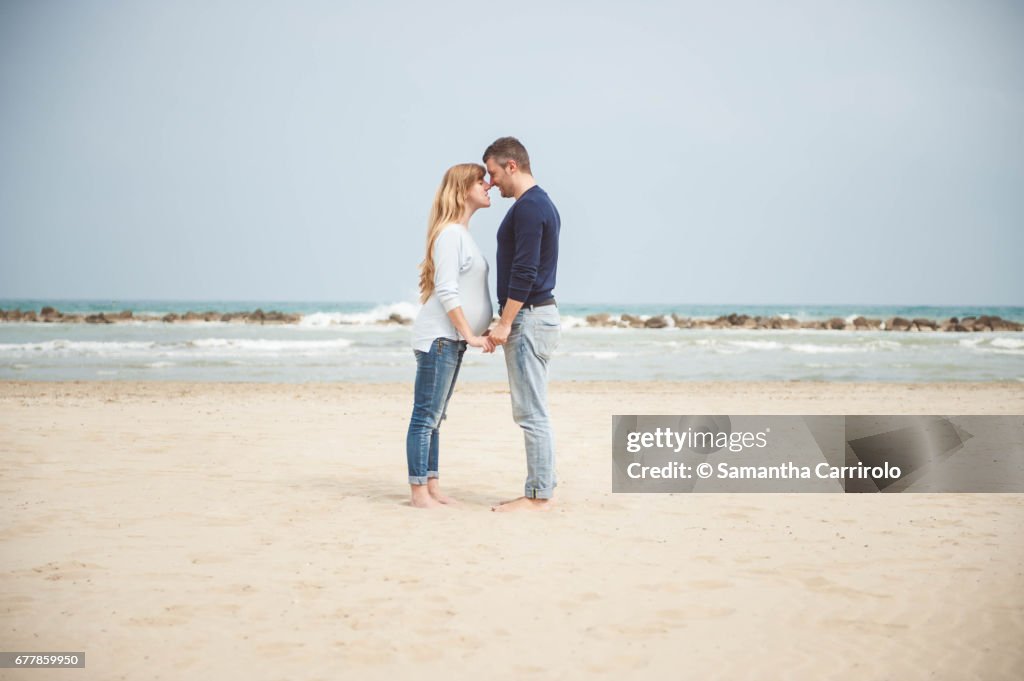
(570, 322)
(846, 348)
(381, 313)
(757, 344)
(1008, 343)
(270, 345)
(1000, 351)
(62, 346)
(726, 346)
(201, 346)
(595, 354)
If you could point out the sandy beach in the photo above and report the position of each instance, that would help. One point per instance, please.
(261, 531)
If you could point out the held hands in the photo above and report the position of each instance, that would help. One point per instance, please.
(499, 333)
(482, 342)
(492, 338)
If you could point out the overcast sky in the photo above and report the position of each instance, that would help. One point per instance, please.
(717, 152)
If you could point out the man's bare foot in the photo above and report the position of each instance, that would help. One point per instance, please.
(421, 498)
(434, 489)
(524, 504)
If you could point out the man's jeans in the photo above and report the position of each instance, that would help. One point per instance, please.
(534, 336)
(436, 372)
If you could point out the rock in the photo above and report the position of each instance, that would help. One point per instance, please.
(736, 319)
(49, 314)
(897, 324)
(598, 319)
(98, 319)
(395, 318)
(867, 324)
(835, 323)
(169, 317)
(681, 322)
(655, 323)
(125, 314)
(632, 321)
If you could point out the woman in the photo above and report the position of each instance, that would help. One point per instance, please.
(456, 311)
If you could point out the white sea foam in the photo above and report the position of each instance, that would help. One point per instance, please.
(63, 347)
(813, 349)
(570, 322)
(596, 354)
(67, 347)
(378, 314)
(1008, 343)
(756, 344)
(267, 345)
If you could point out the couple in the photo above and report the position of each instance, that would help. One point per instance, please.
(457, 311)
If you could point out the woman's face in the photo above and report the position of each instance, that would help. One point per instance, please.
(477, 196)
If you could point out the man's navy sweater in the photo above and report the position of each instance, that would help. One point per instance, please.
(528, 249)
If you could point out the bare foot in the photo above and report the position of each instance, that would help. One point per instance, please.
(524, 504)
(428, 502)
(434, 489)
(422, 499)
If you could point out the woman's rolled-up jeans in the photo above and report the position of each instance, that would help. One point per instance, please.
(436, 372)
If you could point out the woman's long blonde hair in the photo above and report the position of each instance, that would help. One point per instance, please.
(449, 204)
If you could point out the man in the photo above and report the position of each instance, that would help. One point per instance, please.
(529, 328)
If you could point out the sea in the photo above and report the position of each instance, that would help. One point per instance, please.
(348, 342)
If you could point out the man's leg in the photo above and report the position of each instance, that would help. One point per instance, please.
(534, 336)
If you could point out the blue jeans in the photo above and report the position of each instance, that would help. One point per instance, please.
(436, 372)
(534, 337)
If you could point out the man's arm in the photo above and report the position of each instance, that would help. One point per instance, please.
(499, 334)
(529, 228)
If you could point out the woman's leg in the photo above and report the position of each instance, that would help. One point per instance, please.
(434, 373)
(433, 484)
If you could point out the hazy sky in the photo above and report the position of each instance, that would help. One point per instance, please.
(717, 152)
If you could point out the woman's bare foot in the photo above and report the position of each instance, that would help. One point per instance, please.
(434, 489)
(421, 498)
(524, 504)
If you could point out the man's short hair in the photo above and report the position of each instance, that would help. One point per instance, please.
(508, 149)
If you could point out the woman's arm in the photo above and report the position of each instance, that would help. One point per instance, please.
(447, 256)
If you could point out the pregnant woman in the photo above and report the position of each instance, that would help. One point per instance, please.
(456, 312)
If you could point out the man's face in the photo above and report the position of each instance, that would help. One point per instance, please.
(500, 177)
